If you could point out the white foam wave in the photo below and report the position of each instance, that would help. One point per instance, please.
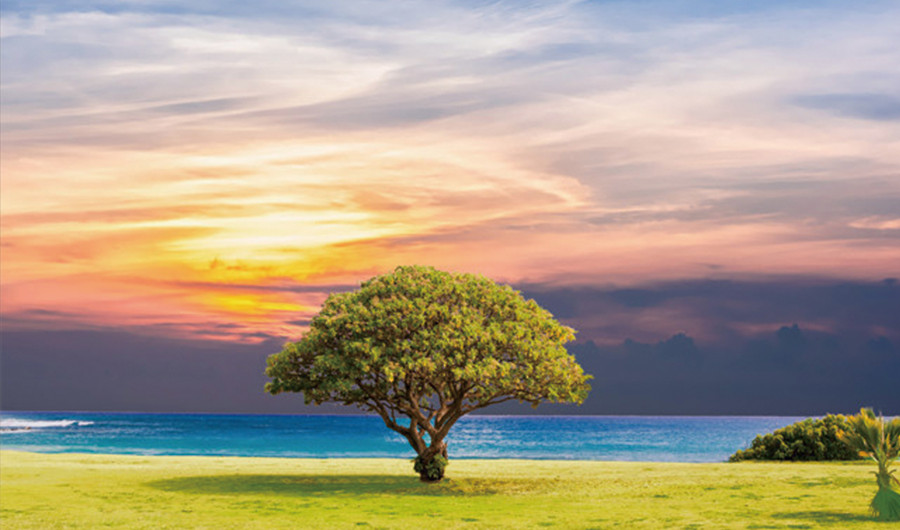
(16, 423)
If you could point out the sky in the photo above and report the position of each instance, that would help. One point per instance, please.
(709, 192)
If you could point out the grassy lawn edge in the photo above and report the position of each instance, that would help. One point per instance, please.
(130, 492)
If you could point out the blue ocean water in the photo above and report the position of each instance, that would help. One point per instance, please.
(624, 438)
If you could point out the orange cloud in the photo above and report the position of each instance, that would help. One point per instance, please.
(195, 174)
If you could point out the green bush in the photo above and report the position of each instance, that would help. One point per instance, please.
(805, 440)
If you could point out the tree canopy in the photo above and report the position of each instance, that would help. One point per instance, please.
(422, 347)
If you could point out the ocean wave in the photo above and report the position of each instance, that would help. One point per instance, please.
(16, 423)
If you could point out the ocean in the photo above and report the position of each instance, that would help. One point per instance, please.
(622, 438)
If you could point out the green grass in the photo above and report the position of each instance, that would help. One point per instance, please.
(39, 491)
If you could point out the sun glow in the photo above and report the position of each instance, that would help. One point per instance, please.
(220, 174)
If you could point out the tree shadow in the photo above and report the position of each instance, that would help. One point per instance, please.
(822, 516)
(312, 485)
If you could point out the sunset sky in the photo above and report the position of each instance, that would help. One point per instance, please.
(206, 172)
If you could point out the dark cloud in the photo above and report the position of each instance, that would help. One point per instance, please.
(833, 348)
(787, 371)
(877, 107)
(844, 354)
(723, 311)
(107, 370)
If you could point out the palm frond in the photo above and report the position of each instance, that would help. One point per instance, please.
(879, 440)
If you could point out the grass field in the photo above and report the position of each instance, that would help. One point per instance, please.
(39, 491)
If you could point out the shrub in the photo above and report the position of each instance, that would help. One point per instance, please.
(878, 440)
(805, 440)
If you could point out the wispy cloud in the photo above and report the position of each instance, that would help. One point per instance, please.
(325, 142)
(878, 107)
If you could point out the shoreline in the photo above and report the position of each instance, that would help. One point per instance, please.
(361, 458)
(631, 439)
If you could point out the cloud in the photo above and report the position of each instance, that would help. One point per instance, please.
(800, 346)
(806, 374)
(720, 312)
(286, 285)
(306, 144)
(789, 371)
(877, 107)
(108, 370)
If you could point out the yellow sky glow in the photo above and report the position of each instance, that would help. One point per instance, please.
(219, 175)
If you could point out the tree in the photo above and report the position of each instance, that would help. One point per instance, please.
(422, 347)
(879, 440)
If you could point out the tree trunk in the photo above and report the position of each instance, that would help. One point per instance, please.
(431, 462)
